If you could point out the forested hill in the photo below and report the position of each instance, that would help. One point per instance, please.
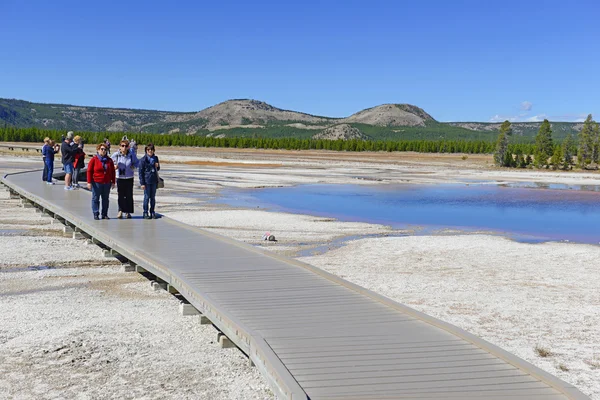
(256, 119)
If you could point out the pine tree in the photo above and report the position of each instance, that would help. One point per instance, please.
(508, 160)
(500, 154)
(568, 149)
(522, 163)
(596, 141)
(543, 145)
(519, 160)
(586, 143)
(556, 157)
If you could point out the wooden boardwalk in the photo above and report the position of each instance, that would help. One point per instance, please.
(311, 334)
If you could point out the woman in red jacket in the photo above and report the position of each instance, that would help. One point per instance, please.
(100, 179)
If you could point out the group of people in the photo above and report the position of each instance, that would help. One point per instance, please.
(72, 158)
(105, 172)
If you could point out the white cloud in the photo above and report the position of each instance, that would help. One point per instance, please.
(526, 117)
(536, 118)
(526, 106)
(496, 118)
(502, 118)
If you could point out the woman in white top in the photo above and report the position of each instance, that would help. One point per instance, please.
(125, 163)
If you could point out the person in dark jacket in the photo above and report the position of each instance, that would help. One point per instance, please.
(48, 151)
(148, 174)
(100, 179)
(68, 156)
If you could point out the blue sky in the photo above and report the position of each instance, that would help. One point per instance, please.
(458, 60)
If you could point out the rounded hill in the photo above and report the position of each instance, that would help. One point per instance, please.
(391, 115)
(251, 112)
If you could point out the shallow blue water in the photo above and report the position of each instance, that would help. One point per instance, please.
(530, 214)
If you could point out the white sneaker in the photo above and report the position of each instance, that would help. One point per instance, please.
(68, 188)
(49, 183)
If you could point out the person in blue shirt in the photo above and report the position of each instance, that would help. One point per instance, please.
(148, 174)
(48, 152)
(45, 171)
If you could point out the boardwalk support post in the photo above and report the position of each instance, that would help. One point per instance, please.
(111, 253)
(172, 290)
(187, 309)
(140, 269)
(128, 267)
(159, 284)
(224, 341)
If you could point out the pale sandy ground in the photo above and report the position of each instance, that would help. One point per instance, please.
(85, 330)
(518, 296)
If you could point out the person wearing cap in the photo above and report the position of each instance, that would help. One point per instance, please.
(48, 151)
(68, 157)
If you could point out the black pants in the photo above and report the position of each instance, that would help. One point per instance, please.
(125, 190)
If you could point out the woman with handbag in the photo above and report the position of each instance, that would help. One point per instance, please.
(79, 163)
(125, 162)
(100, 179)
(148, 173)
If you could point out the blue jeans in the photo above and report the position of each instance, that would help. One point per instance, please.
(149, 195)
(49, 170)
(68, 168)
(100, 190)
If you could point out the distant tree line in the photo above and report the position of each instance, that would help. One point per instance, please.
(12, 134)
(543, 153)
(546, 152)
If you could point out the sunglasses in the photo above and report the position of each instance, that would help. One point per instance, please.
(102, 148)
(123, 145)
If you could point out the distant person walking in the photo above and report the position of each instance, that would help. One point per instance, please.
(133, 146)
(107, 143)
(45, 171)
(48, 152)
(78, 163)
(125, 162)
(100, 179)
(148, 173)
(68, 156)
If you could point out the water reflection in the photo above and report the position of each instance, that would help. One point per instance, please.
(558, 212)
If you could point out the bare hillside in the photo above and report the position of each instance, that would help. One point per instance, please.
(248, 112)
(341, 131)
(521, 128)
(391, 115)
